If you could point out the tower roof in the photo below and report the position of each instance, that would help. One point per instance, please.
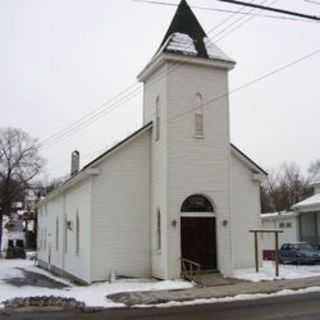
(186, 36)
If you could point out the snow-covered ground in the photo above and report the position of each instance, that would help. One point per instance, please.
(267, 272)
(93, 295)
(240, 297)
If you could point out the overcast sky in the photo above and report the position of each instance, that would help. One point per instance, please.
(61, 60)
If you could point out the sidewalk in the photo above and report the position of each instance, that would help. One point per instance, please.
(164, 296)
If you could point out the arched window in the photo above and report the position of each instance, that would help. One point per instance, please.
(197, 203)
(198, 117)
(77, 233)
(158, 230)
(57, 233)
(157, 124)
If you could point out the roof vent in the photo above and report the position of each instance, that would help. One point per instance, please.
(75, 162)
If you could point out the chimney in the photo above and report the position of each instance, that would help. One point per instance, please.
(75, 162)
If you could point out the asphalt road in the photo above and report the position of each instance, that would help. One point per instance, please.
(306, 307)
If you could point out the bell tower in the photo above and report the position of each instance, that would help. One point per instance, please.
(186, 97)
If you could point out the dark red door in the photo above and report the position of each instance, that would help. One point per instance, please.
(198, 241)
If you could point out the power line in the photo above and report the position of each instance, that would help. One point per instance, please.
(69, 132)
(243, 22)
(313, 1)
(225, 10)
(239, 88)
(105, 109)
(252, 82)
(223, 31)
(229, 17)
(211, 30)
(284, 11)
(117, 101)
(79, 121)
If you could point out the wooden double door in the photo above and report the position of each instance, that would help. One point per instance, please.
(198, 241)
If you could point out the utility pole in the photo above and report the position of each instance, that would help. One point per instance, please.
(283, 11)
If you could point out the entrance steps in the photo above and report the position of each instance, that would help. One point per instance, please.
(212, 279)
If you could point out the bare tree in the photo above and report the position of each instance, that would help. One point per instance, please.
(314, 171)
(285, 187)
(20, 163)
(55, 183)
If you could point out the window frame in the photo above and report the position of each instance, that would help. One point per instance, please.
(57, 233)
(77, 247)
(198, 118)
(157, 119)
(159, 231)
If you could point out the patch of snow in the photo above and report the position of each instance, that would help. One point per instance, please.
(182, 43)
(93, 295)
(267, 272)
(214, 52)
(284, 214)
(309, 202)
(240, 297)
(31, 255)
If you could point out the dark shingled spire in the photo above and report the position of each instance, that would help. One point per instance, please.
(186, 22)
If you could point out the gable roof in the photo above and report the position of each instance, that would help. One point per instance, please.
(185, 36)
(88, 169)
(247, 160)
(119, 144)
(309, 204)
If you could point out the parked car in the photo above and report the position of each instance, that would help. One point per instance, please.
(299, 253)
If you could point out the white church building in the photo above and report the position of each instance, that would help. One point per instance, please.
(175, 189)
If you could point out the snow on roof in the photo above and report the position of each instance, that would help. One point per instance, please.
(311, 202)
(185, 36)
(182, 43)
(281, 214)
(214, 52)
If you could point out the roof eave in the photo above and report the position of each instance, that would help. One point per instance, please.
(306, 207)
(81, 176)
(90, 170)
(163, 57)
(248, 161)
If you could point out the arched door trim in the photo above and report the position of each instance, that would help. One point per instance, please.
(206, 209)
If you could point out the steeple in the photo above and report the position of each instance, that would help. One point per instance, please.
(185, 36)
(185, 22)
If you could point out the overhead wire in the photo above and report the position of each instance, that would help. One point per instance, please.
(120, 99)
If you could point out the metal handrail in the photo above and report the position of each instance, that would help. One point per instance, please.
(189, 268)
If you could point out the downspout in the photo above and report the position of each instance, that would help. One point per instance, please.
(91, 258)
(64, 233)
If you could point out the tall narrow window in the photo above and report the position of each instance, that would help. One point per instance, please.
(39, 238)
(77, 233)
(158, 230)
(45, 239)
(157, 124)
(57, 233)
(198, 117)
(65, 234)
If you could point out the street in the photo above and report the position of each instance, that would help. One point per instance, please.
(304, 307)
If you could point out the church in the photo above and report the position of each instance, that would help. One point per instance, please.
(174, 191)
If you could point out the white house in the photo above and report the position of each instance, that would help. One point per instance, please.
(13, 232)
(309, 217)
(174, 189)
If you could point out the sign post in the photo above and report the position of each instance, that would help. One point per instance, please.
(276, 246)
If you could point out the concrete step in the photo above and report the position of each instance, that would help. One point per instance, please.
(213, 279)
